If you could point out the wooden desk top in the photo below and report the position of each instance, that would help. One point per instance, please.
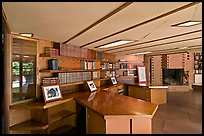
(109, 104)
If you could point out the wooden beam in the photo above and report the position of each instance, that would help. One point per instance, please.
(100, 20)
(143, 23)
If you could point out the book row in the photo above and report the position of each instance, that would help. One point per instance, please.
(73, 77)
(74, 51)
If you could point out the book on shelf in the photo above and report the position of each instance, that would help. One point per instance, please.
(53, 64)
(83, 65)
(95, 75)
(89, 65)
(51, 51)
(50, 81)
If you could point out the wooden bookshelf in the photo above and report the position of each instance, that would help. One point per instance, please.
(70, 84)
(60, 115)
(62, 130)
(71, 70)
(110, 69)
(127, 77)
(30, 125)
(128, 69)
(58, 56)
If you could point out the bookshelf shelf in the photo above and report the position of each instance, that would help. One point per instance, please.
(109, 69)
(71, 70)
(128, 69)
(127, 77)
(70, 84)
(58, 56)
(60, 115)
(30, 125)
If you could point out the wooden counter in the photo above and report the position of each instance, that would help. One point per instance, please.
(155, 93)
(111, 113)
(106, 113)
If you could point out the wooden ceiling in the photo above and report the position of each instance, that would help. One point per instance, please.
(90, 24)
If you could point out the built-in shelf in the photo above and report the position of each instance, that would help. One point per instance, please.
(136, 63)
(69, 84)
(127, 77)
(62, 130)
(58, 56)
(30, 125)
(102, 79)
(60, 115)
(67, 70)
(128, 69)
(110, 69)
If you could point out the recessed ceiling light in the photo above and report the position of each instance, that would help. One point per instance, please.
(141, 53)
(27, 34)
(115, 43)
(187, 23)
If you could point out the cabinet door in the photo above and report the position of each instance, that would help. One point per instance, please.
(139, 93)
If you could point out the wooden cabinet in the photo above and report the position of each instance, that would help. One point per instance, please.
(154, 95)
(139, 93)
(35, 118)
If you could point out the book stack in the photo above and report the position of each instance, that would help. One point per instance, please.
(50, 81)
(87, 65)
(112, 73)
(123, 66)
(53, 64)
(51, 51)
(74, 51)
(126, 73)
(70, 77)
(104, 66)
(95, 75)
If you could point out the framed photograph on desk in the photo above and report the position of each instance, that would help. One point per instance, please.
(91, 86)
(113, 80)
(51, 93)
(141, 74)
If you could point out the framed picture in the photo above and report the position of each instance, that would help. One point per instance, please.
(141, 74)
(113, 80)
(91, 86)
(51, 93)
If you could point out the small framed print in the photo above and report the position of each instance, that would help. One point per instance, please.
(113, 80)
(91, 86)
(141, 74)
(51, 93)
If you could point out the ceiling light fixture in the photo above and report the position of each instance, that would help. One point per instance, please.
(190, 22)
(187, 23)
(115, 43)
(27, 34)
(141, 53)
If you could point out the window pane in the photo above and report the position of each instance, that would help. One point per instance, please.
(23, 70)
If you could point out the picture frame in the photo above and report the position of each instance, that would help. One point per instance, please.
(141, 74)
(113, 80)
(51, 93)
(91, 86)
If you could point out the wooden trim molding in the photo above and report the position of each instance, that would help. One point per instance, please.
(143, 23)
(100, 20)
